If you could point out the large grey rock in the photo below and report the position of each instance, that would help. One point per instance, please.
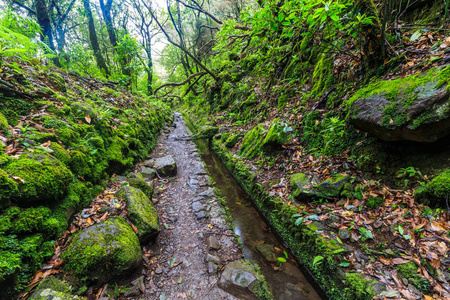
(165, 166)
(148, 173)
(244, 281)
(141, 212)
(103, 251)
(414, 108)
(51, 288)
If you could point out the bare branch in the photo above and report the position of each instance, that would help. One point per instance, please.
(179, 83)
(25, 7)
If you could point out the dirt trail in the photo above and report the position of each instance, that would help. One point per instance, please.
(189, 215)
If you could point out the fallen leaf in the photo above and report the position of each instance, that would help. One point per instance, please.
(385, 261)
(436, 263)
(400, 261)
(87, 118)
(18, 178)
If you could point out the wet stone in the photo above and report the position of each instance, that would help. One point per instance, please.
(207, 193)
(148, 173)
(158, 270)
(213, 258)
(201, 215)
(212, 268)
(212, 243)
(197, 206)
(267, 252)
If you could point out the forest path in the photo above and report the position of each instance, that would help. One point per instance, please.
(190, 215)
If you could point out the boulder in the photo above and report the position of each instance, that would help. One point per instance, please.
(414, 108)
(277, 135)
(141, 212)
(137, 180)
(244, 281)
(53, 288)
(148, 173)
(305, 187)
(165, 166)
(103, 251)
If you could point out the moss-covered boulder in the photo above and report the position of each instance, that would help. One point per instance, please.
(436, 192)
(51, 288)
(208, 131)
(302, 186)
(4, 128)
(137, 180)
(231, 140)
(141, 212)
(104, 251)
(44, 179)
(244, 281)
(275, 137)
(305, 187)
(148, 173)
(332, 186)
(414, 108)
(57, 81)
(8, 188)
(251, 144)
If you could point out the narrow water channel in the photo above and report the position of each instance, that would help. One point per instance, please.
(286, 281)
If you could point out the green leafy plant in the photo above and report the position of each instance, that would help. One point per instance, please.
(365, 233)
(402, 231)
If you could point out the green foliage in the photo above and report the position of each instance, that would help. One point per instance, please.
(251, 144)
(374, 202)
(358, 287)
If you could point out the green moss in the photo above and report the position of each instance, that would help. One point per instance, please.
(323, 75)
(252, 142)
(409, 271)
(137, 180)
(141, 212)
(45, 178)
(231, 140)
(358, 287)
(53, 288)
(60, 153)
(8, 189)
(4, 127)
(116, 154)
(275, 137)
(408, 89)
(102, 251)
(374, 202)
(224, 136)
(436, 191)
(58, 81)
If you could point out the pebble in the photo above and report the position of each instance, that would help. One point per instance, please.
(197, 206)
(158, 270)
(201, 215)
(212, 243)
(213, 258)
(344, 234)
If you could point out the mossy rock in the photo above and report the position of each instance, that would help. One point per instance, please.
(358, 287)
(414, 108)
(244, 281)
(165, 166)
(436, 192)
(302, 186)
(81, 109)
(251, 144)
(141, 212)
(333, 186)
(275, 137)
(137, 180)
(104, 251)
(57, 81)
(208, 131)
(45, 177)
(409, 271)
(51, 288)
(231, 140)
(4, 127)
(8, 189)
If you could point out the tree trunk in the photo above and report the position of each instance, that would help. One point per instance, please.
(106, 11)
(371, 42)
(44, 21)
(94, 40)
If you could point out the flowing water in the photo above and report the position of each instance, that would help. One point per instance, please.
(286, 281)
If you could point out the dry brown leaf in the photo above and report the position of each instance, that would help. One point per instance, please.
(385, 261)
(134, 228)
(436, 263)
(87, 118)
(400, 261)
